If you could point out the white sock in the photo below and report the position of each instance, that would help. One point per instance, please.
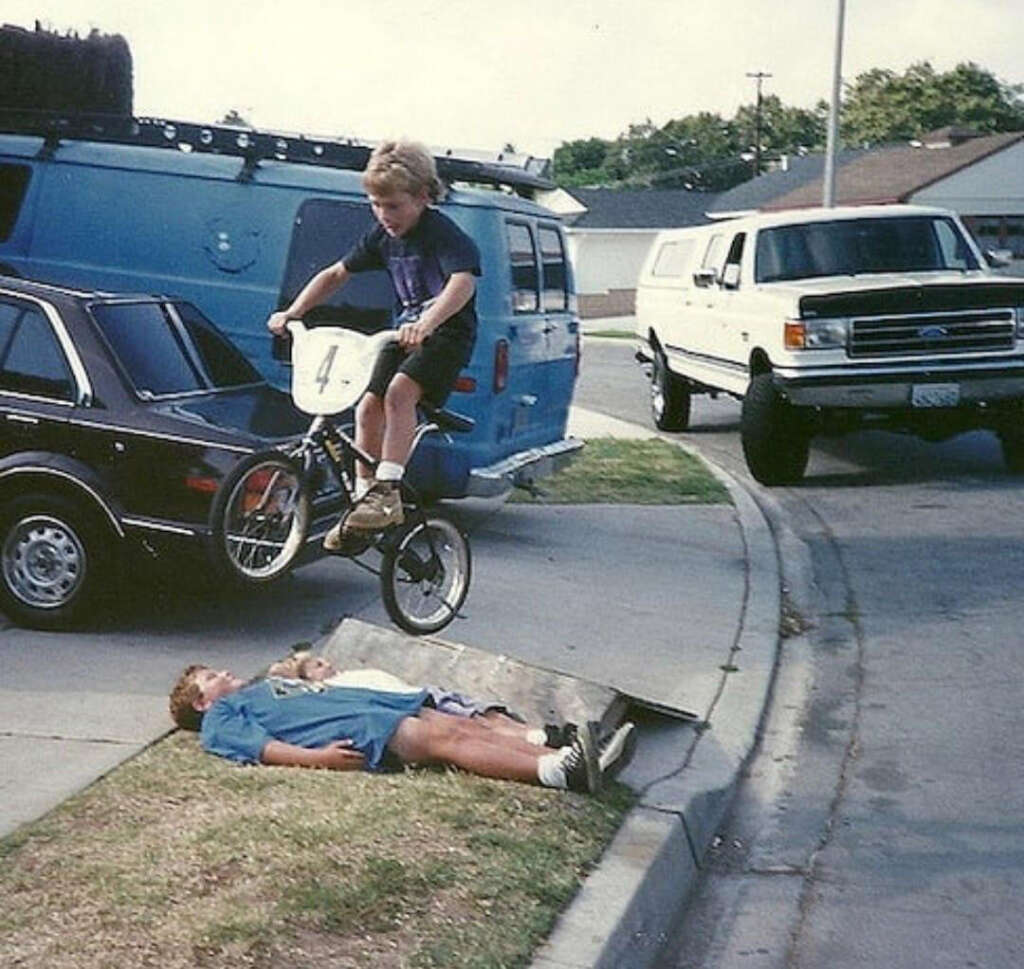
(390, 471)
(537, 737)
(362, 486)
(550, 771)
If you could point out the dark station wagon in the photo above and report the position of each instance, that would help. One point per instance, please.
(120, 416)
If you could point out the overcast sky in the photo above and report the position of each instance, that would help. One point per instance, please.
(474, 74)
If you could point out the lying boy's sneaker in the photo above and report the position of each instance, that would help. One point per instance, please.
(580, 763)
(379, 508)
(617, 750)
(559, 735)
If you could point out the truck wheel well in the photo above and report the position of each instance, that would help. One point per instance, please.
(759, 364)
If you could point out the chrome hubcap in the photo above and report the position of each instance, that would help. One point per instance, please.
(44, 562)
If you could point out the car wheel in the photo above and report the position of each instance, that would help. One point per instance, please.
(50, 571)
(670, 397)
(776, 440)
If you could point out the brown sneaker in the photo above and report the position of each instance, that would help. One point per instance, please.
(340, 541)
(380, 508)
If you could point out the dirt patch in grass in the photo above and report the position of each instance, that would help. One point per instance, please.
(180, 859)
(633, 472)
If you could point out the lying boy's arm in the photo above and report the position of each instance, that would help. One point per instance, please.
(456, 293)
(335, 756)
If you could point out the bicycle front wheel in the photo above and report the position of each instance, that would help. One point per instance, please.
(425, 576)
(260, 518)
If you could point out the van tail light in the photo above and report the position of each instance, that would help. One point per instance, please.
(465, 385)
(500, 366)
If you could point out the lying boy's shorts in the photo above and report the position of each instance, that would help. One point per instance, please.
(435, 365)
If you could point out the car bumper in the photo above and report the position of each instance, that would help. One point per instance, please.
(522, 469)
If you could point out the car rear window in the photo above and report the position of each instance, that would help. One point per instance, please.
(162, 358)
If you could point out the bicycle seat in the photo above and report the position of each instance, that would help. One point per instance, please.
(447, 420)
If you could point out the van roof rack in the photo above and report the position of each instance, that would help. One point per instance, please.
(524, 174)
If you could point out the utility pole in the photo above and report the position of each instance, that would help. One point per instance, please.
(760, 76)
(828, 199)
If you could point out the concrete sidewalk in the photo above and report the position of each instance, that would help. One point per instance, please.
(677, 605)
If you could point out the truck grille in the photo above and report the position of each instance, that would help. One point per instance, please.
(966, 331)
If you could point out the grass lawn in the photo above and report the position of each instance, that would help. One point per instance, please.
(179, 859)
(635, 472)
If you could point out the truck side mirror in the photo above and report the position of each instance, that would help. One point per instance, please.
(731, 276)
(704, 278)
(999, 257)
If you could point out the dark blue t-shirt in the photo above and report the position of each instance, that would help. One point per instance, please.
(420, 263)
(239, 725)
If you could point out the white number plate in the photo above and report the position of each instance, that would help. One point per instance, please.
(934, 395)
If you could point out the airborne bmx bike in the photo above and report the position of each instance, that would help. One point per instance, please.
(264, 511)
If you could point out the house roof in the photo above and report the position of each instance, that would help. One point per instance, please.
(609, 208)
(894, 173)
(758, 192)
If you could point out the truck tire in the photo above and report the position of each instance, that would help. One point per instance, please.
(776, 441)
(1012, 441)
(670, 397)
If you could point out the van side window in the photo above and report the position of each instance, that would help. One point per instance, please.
(32, 362)
(13, 185)
(672, 259)
(325, 230)
(525, 272)
(556, 282)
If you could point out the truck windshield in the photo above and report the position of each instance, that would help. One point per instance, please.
(162, 357)
(850, 247)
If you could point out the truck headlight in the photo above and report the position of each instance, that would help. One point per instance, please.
(816, 334)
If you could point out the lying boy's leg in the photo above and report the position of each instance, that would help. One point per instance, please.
(437, 738)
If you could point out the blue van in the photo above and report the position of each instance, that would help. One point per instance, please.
(236, 221)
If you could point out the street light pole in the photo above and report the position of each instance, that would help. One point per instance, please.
(829, 183)
(760, 75)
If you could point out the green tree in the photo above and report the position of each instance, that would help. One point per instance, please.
(882, 105)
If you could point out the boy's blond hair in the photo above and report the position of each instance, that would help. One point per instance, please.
(402, 166)
(183, 698)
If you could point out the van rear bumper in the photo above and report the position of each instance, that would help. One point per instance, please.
(522, 469)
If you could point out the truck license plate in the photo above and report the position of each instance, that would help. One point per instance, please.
(934, 395)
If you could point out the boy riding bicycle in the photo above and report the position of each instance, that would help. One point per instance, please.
(432, 264)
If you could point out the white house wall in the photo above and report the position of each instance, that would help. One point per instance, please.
(604, 260)
(992, 186)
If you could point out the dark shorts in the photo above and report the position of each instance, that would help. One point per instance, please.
(435, 365)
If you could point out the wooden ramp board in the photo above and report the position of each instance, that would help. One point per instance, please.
(536, 694)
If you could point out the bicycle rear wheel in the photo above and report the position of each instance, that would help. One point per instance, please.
(425, 576)
(260, 518)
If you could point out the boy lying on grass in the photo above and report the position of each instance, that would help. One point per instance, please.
(289, 721)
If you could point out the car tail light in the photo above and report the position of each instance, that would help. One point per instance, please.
(203, 484)
(500, 366)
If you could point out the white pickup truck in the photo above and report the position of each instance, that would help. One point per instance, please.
(826, 320)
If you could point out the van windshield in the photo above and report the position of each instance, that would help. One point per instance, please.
(850, 247)
(162, 358)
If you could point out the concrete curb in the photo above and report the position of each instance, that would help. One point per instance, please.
(625, 908)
